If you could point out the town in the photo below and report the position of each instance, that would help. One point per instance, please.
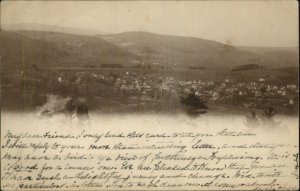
(118, 90)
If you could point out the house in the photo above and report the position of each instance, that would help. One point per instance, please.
(291, 86)
(215, 96)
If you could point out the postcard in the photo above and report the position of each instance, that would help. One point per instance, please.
(149, 95)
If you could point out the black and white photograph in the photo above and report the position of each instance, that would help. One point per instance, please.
(149, 95)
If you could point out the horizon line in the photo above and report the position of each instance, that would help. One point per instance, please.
(115, 33)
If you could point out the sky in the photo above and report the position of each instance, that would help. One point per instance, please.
(240, 22)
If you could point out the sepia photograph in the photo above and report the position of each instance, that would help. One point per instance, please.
(149, 95)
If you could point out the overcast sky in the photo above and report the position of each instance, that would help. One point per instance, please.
(254, 23)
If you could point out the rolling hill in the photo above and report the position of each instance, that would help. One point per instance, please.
(23, 48)
(167, 49)
(287, 56)
(47, 28)
(47, 49)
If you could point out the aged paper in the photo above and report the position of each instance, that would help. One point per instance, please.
(150, 152)
(150, 95)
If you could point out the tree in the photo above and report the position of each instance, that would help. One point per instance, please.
(269, 112)
(252, 120)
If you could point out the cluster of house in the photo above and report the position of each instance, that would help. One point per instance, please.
(132, 85)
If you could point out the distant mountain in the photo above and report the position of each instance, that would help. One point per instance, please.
(23, 48)
(47, 49)
(47, 28)
(167, 49)
(287, 56)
